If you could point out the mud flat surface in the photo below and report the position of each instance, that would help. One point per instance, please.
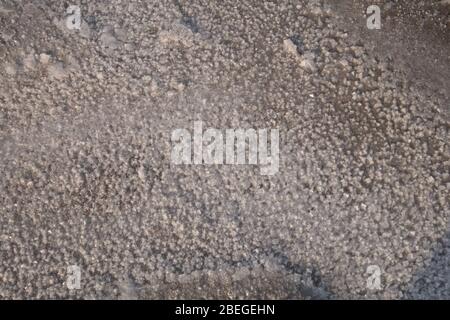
(86, 118)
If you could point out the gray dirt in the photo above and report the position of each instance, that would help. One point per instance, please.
(86, 179)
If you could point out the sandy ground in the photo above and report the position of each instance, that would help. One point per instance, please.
(86, 118)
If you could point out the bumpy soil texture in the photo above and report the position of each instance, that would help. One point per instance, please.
(86, 118)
